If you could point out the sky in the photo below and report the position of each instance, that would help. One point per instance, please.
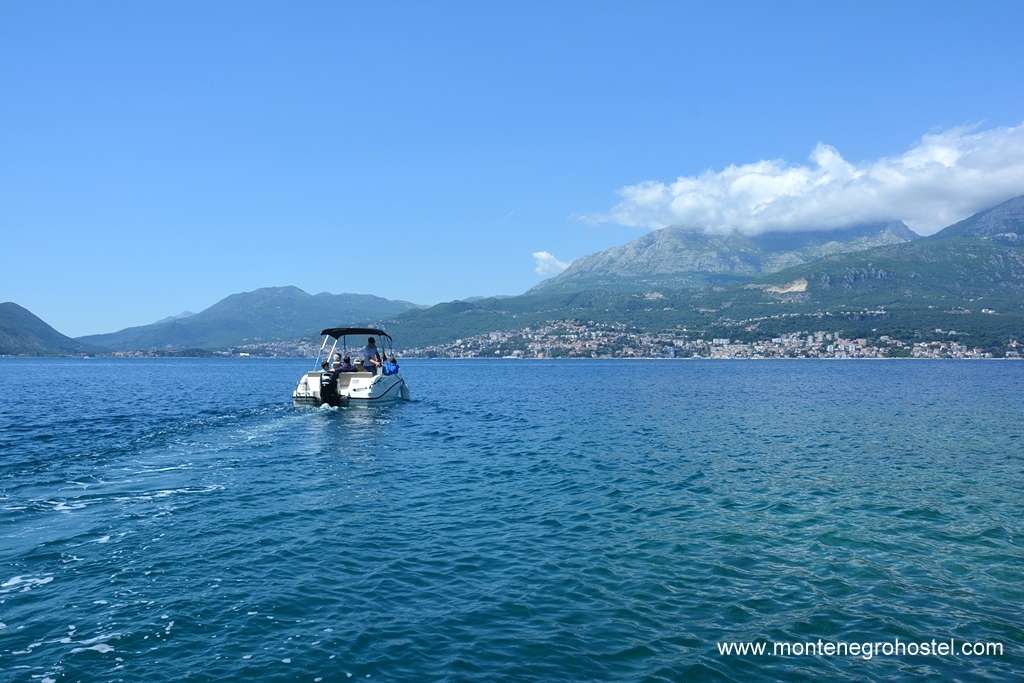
(156, 157)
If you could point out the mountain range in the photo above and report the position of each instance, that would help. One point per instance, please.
(21, 332)
(976, 263)
(968, 277)
(262, 315)
(687, 257)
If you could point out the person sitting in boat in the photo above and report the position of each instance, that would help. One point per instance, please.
(346, 365)
(371, 357)
(390, 366)
(336, 365)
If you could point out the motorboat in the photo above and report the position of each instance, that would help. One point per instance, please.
(331, 384)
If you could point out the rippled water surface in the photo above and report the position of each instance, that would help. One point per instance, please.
(165, 519)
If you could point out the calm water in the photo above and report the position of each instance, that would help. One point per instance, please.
(164, 519)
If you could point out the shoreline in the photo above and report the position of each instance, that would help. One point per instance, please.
(536, 360)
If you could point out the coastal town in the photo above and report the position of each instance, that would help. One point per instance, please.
(576, 339)
(591, 339)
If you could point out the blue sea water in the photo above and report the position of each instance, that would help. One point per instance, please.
(163, 520)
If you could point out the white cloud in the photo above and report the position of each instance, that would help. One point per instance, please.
(545, 263)
(943, 178)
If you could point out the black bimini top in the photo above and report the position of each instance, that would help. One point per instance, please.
(338, 332)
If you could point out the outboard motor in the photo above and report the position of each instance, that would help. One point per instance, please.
(329, 389)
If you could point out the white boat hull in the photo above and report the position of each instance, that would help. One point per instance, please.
(315, 388)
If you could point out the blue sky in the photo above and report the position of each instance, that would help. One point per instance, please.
(155, 157)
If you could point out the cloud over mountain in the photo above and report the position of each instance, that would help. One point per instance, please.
(545, 263)
(943, 178)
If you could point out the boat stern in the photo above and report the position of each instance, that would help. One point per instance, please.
(308, 390)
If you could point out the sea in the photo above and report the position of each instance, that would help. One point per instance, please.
(563, 520)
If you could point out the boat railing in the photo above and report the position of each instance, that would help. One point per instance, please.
(316, 363)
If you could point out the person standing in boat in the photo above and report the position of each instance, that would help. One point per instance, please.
(370, 355)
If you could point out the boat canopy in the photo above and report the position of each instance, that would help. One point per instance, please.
(339, 332)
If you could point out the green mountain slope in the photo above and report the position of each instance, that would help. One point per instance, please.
(455, 319)
(966, 281)
(688, 258)
(269, 314)
(978, 260)
(23, 333)
(929, 272)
